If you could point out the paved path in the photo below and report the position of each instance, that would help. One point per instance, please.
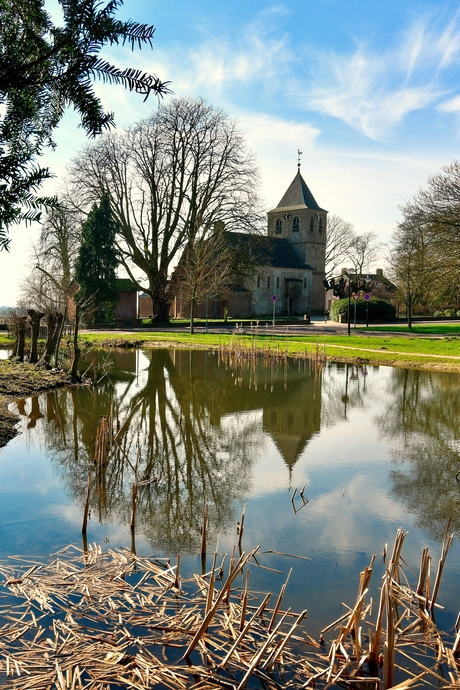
(394, 352)
(316, 327)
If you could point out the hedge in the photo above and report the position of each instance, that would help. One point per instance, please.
(379, 309)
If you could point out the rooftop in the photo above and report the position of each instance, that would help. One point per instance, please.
(276, 252)
(298, 196)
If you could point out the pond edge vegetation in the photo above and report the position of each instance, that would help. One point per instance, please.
(211, 630)
(439, 352)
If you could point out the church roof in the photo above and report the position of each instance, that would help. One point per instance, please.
(298, 196)
(290, 446)
(269, 251)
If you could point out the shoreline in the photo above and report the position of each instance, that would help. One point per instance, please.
(21, 380)
(388, 350)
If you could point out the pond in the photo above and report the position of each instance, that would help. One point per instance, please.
(371, 449)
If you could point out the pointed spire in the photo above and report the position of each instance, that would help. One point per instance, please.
(298, 194)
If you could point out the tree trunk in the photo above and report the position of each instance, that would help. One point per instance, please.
(54, 321)
(409, 311)
(76, 349)
(160, 295)
(21, 337)
(59, 337)
(35, 318)
(161, 309)
(192, 313)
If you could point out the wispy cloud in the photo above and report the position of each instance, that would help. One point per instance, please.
(222, 61)
(276, 131)
(373, 91)
(450, 106)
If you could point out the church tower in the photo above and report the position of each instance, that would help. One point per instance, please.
(300, 221)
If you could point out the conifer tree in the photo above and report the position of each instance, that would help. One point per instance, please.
(45, 67)
(97, 262)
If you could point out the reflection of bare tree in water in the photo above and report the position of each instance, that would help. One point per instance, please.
(189, 459)
(167, 431)
(423, 420)
(344, 386)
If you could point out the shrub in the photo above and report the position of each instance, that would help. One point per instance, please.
(379, 309)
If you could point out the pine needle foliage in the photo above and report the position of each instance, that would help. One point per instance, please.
(45, 68)
(97, 262)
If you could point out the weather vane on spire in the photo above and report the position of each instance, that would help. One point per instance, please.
(299, 153)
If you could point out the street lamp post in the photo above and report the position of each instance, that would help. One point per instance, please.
(349, 306)
(274, 298)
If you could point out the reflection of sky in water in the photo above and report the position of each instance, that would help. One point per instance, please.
(332, 436)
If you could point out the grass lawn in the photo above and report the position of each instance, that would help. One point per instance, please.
(5, 341)
(400, 351)
(428, 329)
(441, 352)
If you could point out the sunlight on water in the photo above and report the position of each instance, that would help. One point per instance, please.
(371, 450)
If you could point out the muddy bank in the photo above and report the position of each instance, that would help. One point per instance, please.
(19, 381)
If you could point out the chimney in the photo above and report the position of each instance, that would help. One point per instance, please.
(379, 272)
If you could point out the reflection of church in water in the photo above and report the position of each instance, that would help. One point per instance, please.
(289, 396)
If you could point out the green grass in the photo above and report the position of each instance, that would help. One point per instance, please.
(428, 329)
(230, 320)
(402, 350)
(396, 350)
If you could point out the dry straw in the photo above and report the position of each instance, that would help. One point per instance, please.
(90, 620)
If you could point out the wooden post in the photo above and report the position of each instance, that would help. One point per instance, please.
(86, 511)
(133, 506)
(204, 530)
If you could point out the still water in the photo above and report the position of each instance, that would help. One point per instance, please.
(375, 448)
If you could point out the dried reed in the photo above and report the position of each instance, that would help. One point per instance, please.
(92, 620)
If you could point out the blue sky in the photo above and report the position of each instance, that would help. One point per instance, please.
(369, 91)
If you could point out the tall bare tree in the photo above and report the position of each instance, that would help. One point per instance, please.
(170, 178)
(57, 249)
(205, 271)
(414, 267)
(363, 250)
(435, 212)
(339, 238)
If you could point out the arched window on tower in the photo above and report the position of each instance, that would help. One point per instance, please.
(295, 225)
(277, 282)
(304, 283)
(312, 224)
(278, 226)
(268, 281)
(258, 281)
(320, 224)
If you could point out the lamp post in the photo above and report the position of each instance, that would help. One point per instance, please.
(349, 305)
(367, 298)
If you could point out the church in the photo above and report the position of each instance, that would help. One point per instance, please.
(292, 266)
(295, 274)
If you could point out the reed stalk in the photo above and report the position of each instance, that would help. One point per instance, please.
(86, 510)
